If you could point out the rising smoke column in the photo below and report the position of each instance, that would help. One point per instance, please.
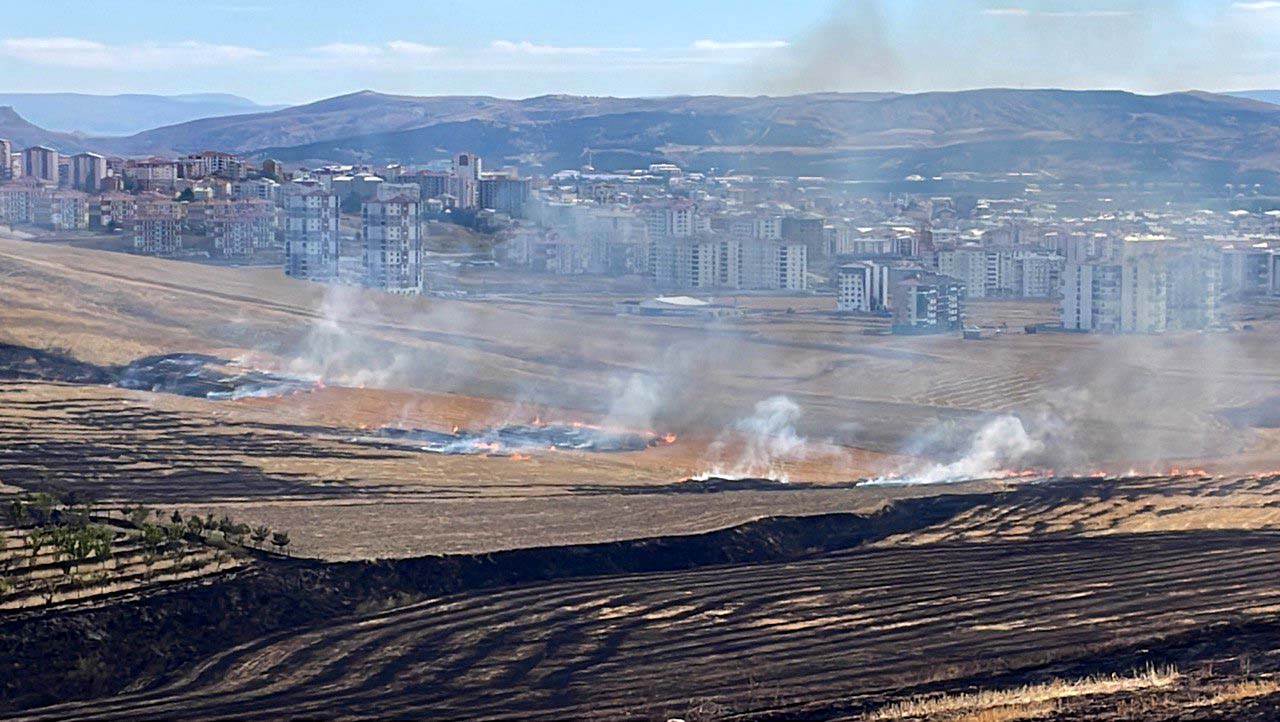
(767, 440)
(1003, 443)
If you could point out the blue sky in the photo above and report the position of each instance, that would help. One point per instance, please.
(300, 50)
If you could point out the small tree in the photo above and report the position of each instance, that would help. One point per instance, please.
(139, 515)
(280, 540)
(36, 540)
(15, 512)
(259, 535)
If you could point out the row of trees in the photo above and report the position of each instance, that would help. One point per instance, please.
(62, 523)
(221, 532)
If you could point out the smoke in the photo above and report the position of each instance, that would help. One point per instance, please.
(849, 50)
(334, 351)
(764, 443)
(1003, 443)
(905, 46)
(635, 400)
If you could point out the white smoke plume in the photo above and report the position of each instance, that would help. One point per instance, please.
(336, 352)
(634, 401)
(767, 440)
(1003, 443)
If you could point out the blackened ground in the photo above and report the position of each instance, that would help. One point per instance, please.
(23, 363)
(144, 642)
(830, 635)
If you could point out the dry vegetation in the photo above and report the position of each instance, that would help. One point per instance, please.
(1031, 701)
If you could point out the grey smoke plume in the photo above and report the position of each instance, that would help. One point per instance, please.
(849, 50)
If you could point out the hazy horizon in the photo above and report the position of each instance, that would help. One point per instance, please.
(694, 48)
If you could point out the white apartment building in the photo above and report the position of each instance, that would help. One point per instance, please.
(310, 232)
(774, 265)
(863, 287)
(677, 219)
(1128, 296)
(988, 272)
(62, 210)
(392, 247)
(157, 234)
(153, 174)
(18, 200)
(261, 188)
(703, 262)
(968, 265)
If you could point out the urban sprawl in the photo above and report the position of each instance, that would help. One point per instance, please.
(908, 258)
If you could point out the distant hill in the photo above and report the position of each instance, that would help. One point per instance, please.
(123, 114)
(1088, 136)
(22, 133)
(1265, 96)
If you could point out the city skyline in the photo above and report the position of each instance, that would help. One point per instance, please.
(667, 49)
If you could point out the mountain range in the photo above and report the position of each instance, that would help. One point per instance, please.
(1083, 135)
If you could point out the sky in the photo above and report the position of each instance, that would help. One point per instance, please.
(293, 51)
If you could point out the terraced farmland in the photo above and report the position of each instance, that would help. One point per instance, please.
(838, 634)
(35, 578)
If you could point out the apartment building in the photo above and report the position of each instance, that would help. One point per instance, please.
(862, 287)
(505, 193)
(40, 163)
(1126, 295)
(310, 232)
(62, 210)
(211, 163)
(695, 262)
(237, 228)
(677, 218)
(88, 171)
(112, 210)
(391, 244)
(157, 226)
(927, 303)
(152, 175)
(18, 200)
(6, 159)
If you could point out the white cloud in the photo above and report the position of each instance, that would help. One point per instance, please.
(406, 47)
(526, 47)
(715, 45)
(90, 54)
(1258, 6)
(362, 55)
(1019, 12)
(349, 51)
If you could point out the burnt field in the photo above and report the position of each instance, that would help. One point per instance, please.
(528, 507)
(732, 631)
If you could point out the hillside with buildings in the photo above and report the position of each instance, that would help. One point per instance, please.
(1197, 137)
